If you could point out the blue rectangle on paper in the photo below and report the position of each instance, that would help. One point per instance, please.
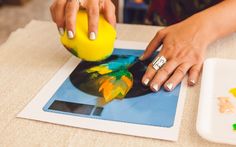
(156, 109)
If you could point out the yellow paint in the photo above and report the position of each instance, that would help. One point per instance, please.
(233, 91)
(86, 49)
(100, 69)
(106, 88)
(127, 81)
(112, 88)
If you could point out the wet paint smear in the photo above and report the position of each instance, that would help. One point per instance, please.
(225, 106)
(233, 92)
(234, 127)
(117, 77)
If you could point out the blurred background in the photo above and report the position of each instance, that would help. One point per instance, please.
(17, 13)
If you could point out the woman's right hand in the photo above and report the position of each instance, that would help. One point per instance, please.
(64, 14)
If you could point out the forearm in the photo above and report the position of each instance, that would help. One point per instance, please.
(219, 20)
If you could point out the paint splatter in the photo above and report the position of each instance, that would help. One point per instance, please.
(234, 127)
(115, 85)
(225, 106)
(113, 78)
(117, 77)
(233, 92)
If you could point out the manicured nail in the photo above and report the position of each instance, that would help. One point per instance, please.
(61, 31)
(92, 36)
(141, 57)
(155, 87)
(192, 82)
(70, 34)
(169, 86)
(146, 81)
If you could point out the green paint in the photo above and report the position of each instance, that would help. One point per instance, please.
(122, 72)
(234, 127)
(74, 52)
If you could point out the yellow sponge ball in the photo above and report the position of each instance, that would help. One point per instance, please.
(88, 50)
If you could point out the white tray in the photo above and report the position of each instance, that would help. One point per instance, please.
(219, 75)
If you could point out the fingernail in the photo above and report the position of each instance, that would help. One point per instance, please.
(70, 34)
(92, 36)
(61, 31)
(169, 86)
(146, 81)
(192, 82)
(141, 57)
(155, 87)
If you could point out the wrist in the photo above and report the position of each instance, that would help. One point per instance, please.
(205, 29)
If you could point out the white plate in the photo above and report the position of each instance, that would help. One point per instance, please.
(219, 76)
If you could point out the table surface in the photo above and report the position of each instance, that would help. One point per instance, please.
(30, 58)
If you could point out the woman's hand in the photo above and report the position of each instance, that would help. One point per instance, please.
(64, 15)
(184, 47)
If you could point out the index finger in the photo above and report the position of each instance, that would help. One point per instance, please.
(153, 45)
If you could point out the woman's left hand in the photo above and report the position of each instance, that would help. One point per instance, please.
(184, 47)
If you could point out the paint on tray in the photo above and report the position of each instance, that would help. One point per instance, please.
(225, 105)
(234, 127)
(233, 92)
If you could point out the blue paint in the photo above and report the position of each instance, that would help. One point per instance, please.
(121, 63)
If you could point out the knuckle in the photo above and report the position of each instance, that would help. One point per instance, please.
(149, 66)
(164, 71)
(200, 58)
(93, 11)
(60, 3)
(109, 19)
(176, 60)
(69, 16)
(69, 24)
(150, 71)
(196, 70)
(59, 22)
(169, 47)
(68, 10)
(181, 70)
(161, 33)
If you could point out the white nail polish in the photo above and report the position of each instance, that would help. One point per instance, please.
(169, 86)
(141, 57)
(146, 81)
(192, 82)
(70, 34)
(61, 31)
(92, 36)
(155, 87)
